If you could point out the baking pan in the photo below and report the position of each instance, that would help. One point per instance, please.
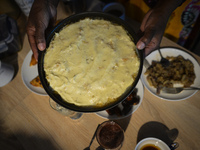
(72, 19)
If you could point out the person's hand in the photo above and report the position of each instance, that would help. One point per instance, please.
(42, 16)
(154, 23)
(152, 27)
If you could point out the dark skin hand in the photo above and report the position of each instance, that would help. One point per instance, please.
(153, 30)
(154, 24)
(43, 16)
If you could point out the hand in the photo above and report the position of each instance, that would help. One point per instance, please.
(42, 16)
(154, 23)
(152, 27)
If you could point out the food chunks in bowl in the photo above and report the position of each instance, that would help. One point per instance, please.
(180, 71)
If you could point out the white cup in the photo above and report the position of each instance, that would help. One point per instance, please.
(6, 73)
(115, 9)
(152, 141)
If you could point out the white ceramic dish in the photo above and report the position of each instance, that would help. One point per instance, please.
(140, 93)
(30, 72)
(155, 56)
(154, 141)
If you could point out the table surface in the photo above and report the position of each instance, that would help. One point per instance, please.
(28, 122)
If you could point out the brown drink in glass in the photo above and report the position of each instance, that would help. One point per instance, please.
(110, 135)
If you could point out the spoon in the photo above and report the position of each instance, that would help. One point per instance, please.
(88, 148)
(176, 90)
(165, 62)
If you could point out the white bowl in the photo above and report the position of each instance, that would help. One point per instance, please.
(157, 142)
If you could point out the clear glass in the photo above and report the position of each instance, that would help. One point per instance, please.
(110, 135)
(64, 111)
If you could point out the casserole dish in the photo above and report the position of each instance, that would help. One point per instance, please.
(70, 20)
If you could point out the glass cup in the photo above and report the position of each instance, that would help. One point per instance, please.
(110, 135)
(64, 111)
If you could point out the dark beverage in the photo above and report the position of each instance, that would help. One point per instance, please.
(110, 135)
(150, 147)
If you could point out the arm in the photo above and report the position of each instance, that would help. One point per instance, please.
(42, 15)
(154, 23)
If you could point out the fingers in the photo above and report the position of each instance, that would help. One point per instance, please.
(31, 38)
(149, 41)
(39, 18)
(145, 39)
(152, 27)
(36, 38)
(147, 33)
(40, 36)
(145, 20)
(151, 46)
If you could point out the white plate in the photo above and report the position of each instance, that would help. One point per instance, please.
(29, 73)
(140, 93)
(155, 56)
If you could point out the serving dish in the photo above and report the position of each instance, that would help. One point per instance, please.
(72, 19)
(170, 51)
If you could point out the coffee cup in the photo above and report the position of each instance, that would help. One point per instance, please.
(152, 143)
(115, 9)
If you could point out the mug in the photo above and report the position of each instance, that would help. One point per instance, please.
(115, 9)
(151, 142)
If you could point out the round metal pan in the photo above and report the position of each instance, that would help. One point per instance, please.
(72, 19)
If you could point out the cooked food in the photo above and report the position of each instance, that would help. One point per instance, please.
(36, 82)
(91, 62)
(125, 107)
(33, 61)
(180, 71)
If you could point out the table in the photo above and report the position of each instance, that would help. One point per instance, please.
(28, 122)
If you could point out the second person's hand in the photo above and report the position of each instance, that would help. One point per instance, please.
(154, 24)
(152, 27)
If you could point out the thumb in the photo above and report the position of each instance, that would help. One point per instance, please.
(40, 37)
(146, 38)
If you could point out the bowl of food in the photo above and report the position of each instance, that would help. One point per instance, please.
(183, 71)
(91, 62)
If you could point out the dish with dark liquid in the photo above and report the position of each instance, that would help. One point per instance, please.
(110, 135)
(150, 147)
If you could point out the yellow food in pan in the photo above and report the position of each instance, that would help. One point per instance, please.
(91, 62)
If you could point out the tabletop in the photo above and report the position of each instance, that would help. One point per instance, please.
(28, 122)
